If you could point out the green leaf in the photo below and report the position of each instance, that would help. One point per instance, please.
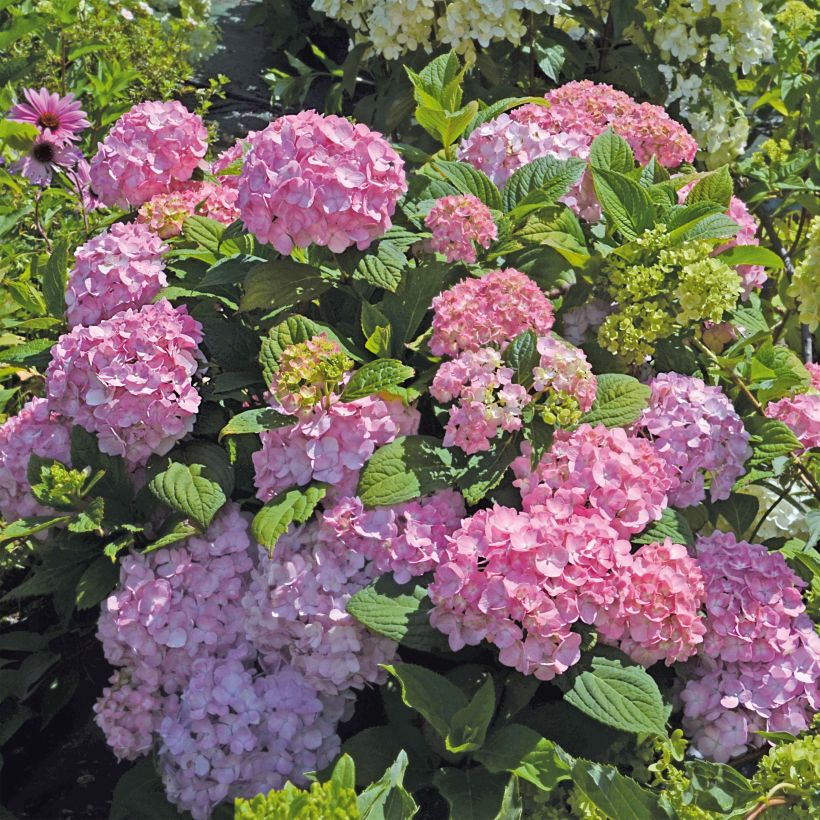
(281, 283)
(189, 489)
(55, 276)
(382, 269)
(203, 231)
(486, 470)
(550, 59)
(611, 152)
(35, 353)
(619, 401)
(672, 524)
(140, 795)
(716, 787)
(446, 126)
(430, 694)
(437, 81)
(617, 796)
(469, 180)
(273, 520)
(468, 728)
(344, 772)
(409, 467)
(24, 527)
(382, 374)
(178, 530)
(625, 203)
(255, 421)
(387, 799)
(522, 356)
(751, 255)
(716, 226)
(523, 752)
(774, 440)
(624, 697)
(716, 187)
(473, 794)
(738, 510)
(96, 582)
(399, 612)
(776, 371)
(542, 182)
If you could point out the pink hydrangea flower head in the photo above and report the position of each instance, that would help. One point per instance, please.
(60, 118)
(329, 444)
(33, 431)
(697, 432)
(814, 373)
(492, 309)
(166, 213)
(44, 156)
(118, 269)
(520, 581)
(129, 379)
(564, 373)
(485, 397)
(459, 223)
(128, 715)
(650, 131)
(597, 471)
(312, 179)
(656, 618)
(295, 608)
(406, 539)
(801, 413)
(146, 151)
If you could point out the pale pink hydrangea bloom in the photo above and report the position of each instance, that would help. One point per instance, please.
(295, 608)
(406, 539)
(520, 581)
(596, 471)
(33, 431)
(578, 321)
(486, 399)
(761, 655)
(127, 714)
(165, 213)
(492, 309)
(564, 369)
(814, 373)
(118, 269)
(146, 150)
(329, 444)
(801, 413)
(655, 618)
(458, 224)
(129, 379)
(697, 432)
(312, 179)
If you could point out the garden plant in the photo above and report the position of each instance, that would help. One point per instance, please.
(447, 449)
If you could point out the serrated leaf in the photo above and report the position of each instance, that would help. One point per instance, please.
(387, 799)
(373, 377)
(434, 697)
(611, 152)
(273, 520)
(617, 796)
(542, 182)
(255, 421)
(24, 527)
(96, 582)
(522, 356)
(550, 59)
(468, 728)
(716, 226)
(751, 255)
(179, 531)
(672, 524)
(469, 180)
(776, 439)
(205, 232)
(624, 697)
(446, 126)
(717, 787)
(625, 203)
(281, 283)
(716, 187)
(35, 353)
(409, 467)
(619, 401)
(382, 269)
(485, 471)
(188, 489)
(524, 753)
(399, 612)
(55, 276)
(473, 794)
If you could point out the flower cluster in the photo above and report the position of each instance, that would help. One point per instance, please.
(656, 616)
(166, 212)
(129, 379)
(311, 179)
(521, 580)
(803, 286)
(118, 269)
(329, 443)
(146, 151)
(761, 656)
(492, 309)
(697, 432)
(457, 222)
(37, 431)
(801, 412)
(597, 472)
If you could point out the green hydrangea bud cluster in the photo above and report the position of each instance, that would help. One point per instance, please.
(560, 409)
(792, 771)
(323, 801)
(796, 18)
(664, 290)
(805, 286)
(309, 371)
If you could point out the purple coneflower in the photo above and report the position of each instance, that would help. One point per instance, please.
(45, 154)
(61, 118)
